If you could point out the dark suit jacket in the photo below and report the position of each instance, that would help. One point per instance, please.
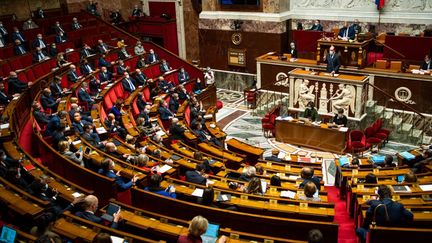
(36, 57)
(120, 70)
(140, 64)
(164, 113)
(101, 49)
(60, 39)
(79, 127)
(53, 52)
(152, 58)
(85, 69)
(103, 77)
(93, 218)
(53, 125)
(41, 117)
(293, 53)
(85, 54)
(126, 85)
(164, 68)
(317, 27)
(48, 102)
(140, 79)
(273, 158)
(314, 179)
(173, 105)
(4, 98)
(94, 87)
(56, 90)
(93, 139)
(351, 32)
(140, 103)
(119, 181)
(16, 36)
(122, 55)
(71, 77)
(36, 43)
(164, 85)
(194, 177)
(104, 63)
(16, 86)
(176, 132)
(19, 49)
(426, 66)
(201, 135)
(398, 215)
(83, 96)
(183, 77)
(333, 64)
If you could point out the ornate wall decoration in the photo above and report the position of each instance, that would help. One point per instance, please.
(404, 94)
(282, 80)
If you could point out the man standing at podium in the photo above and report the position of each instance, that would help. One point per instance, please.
(332, 60)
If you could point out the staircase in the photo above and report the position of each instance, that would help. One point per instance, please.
(266, 100)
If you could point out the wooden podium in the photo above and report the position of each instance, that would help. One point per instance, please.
(351, 53)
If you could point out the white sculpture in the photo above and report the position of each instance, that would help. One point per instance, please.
(344, 98)
(303, 93)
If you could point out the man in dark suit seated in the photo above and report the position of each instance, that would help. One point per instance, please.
(86, 51)
(41, 117)
(317, 26)
(307, 173)
(141, 62)
(137, 12)
(56, 88)
(164, 113)
(174, 103)
(4, 97)
(48, 102)
(114, 126)
(39, 42)
(15, 85)
(17, 35)
(3, 32)
(72, 75)
(86, 68)
(274, 156)
(105, 75)
(76, 108)
(123, 54)
(107, 169)
(60, 38)
(346, 32)
(197, 176)
(128, 83)
(333, 61)
(140, 77)
(183, 76)
(111, 150)
(84, 96)
(164, 66)
(293, 50)
(427, 64)
(57, 28)
(384, 212)
(176, 131)
(102, 47)
(92, 137)
(164, 85)
(55, 122)
(102, 62)
(121, 68)
(203, 136)
(75, 24)
(152, 57)
(39, 55)
(89, 208)
(19, 48)
(78, 124)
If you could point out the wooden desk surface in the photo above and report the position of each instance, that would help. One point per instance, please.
(310, 74)
(340, 42)
(19, 204)
(245, 147)
(317, 137)
(214, 130)
(220, 153)
(271, 57)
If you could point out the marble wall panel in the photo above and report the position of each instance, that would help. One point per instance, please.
(247, 26)
(23, 8)
(191, 19)
(209, 5)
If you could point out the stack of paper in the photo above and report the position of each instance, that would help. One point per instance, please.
(198, 192)
(164, 168)
(288, 194)
(426, 187)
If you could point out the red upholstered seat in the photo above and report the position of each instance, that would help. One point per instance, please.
(357, 142)
(219, 104)
(370, 137)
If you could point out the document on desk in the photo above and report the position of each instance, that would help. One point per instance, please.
(264, 186)
(426, 187)
(343, 129)
(164, 168)
(100, 130)
(288, 194)
(293, 177)
(198, 192)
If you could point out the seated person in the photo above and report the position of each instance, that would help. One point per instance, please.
(107, 169)
(53, 52)
(410, 177)
(76, 157)
(183, 76)
(39, 42)
(136, 12)
(152, 57)
(56, 88)
(17, 35)
(388, 161)
(174, 103)
(111, 149)
(203, 136)
(75, 24)
(29, 24)
(371, 179)
(274, 156)
(317, 26)
(129, 84)
(121, 68)
(355, 164)
(254, 187)
(310, 112)
(123, 54)
(275, 180)
(78, 124)
(140, 77)
(114, 126)
(164, 113)
(86, 51)
(139, 49)
(384, 212)
(248, 173)
(61, 61)
(85, 67)
(307, 174)
(164, 66)
(58, 28)
(198, 87)
(346, 32)
(176, 130)
(48, 101)
(94, 86)
(84, 96)
(426, 65)
(72, 75)
(141, 63)
(333, 61)
(154, 186)
(92, 137)
(105, 75)
(197, 176)
(340, 119)
(19, 48)
(60, 38)
(309, 193)
(117, 109)
(39, 55)
(89, 207)
(4, 97)
(293, 50)
(164, 85)
(15, 85)
(55, 122)
(420, 162)
(102, 47)
(41, 117)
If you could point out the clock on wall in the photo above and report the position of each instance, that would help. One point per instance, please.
(236, 38)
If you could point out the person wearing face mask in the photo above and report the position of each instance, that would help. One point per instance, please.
(86, 68)
(53, 51)
(4, 97)
(293, 50)
(72, 75)
(39, 188)
(40, 13)
(3, 32)
(141, 62)
(209, 76)
(39, 42)
(140, 77)
(164, 66)
(105, 75)
(317, 26)
(310, 112)
(427, 64)
(17, 35)
(123, 54)
(182, 76)
(121, 68)
(129, 84)
(86, 51)
(340, 119)
(84, 96)
(19, 48)
(102, 47)
(94, 86)
(39, 55)
(58, 28)
(197, 88)
(61, 60)
(60, 38)
(75, 24)
(48, 102)
(56, 88)
(333, 61)
(145, 114)
(139, 49)
(29, 24)
(346, 32)
(107, 169)
(15, 85)
(152, 57)
(137, 12)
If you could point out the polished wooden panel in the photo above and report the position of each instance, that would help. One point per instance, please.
(252, 153)
(326, 139)
(351, 53)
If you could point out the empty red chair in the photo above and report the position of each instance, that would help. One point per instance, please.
(381, 132)
(370, 137)
(357, 142)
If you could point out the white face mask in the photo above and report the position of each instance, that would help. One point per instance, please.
(331, 52)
